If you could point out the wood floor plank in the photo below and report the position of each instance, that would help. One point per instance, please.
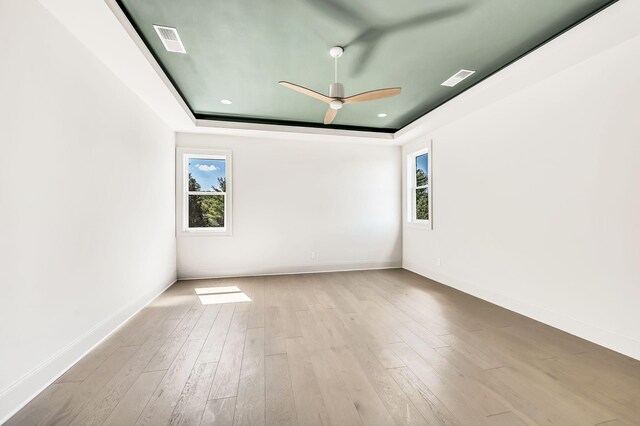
(425, 335)
(307, 396)
(148, 329)
(256, 312)
(595, 385)
(212, 348)
(554, 341)
(399, 406)
(298, 291)
(291, 326)
(516, 345)
(415, 311)
(477, 355)
(319, 291)
(340, 407)
(524, 398)
(521, 372)
(192, 401)
(339, 403)
(133, 402)
(370, 407)
(205, 323)
(250, 401)
(280, 405)
(165, 398)
(431, 308)
(225, 382)
(427, 403)
(378, 346)
(505, 419)
(167, 353)
(597, 408)
(474, 390)
(614, 422)
(455, 399)
(619, 370)
(219, 412)
(273, 332)
(249, 285)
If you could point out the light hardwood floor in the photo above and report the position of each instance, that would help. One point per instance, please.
(373, 347)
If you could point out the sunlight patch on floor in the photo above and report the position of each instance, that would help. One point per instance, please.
(215, 290)
(218, 295)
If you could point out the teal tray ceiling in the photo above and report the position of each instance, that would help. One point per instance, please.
(238, 50)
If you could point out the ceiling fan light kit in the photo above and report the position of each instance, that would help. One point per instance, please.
(336, 99)
(336, 51)
(335, 104)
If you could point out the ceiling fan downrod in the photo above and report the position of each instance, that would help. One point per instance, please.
(336, 90)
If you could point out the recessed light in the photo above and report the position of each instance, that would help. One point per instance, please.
(382, 115)
(226, 102)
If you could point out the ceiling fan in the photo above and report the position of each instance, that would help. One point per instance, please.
(336, 99)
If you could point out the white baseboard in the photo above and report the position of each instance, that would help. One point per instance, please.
(312, 268)
(623, 344)
(27, 387)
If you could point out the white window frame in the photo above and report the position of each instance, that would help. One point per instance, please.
(182, 191)
(412, 221)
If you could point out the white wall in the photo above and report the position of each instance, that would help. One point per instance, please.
(86, 186)
(536, 204)
(294, 197)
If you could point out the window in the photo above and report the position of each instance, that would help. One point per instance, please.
(205, 182)
(418, 187)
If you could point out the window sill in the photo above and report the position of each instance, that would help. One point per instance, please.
(418, 225)
(199, 234)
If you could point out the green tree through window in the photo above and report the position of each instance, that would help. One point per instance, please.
(206, 211)
(422, 197)
(422, 188)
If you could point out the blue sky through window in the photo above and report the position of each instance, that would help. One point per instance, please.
(206, 172)
(422, 164)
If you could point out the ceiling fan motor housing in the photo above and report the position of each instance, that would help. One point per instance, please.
(336, 90)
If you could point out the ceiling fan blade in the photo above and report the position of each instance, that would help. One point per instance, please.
(339, 10)
(305, 91)
(370, 37)
(330, 115)
(372, 95)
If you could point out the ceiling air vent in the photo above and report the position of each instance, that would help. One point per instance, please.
(457, 78)
(170, 38)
